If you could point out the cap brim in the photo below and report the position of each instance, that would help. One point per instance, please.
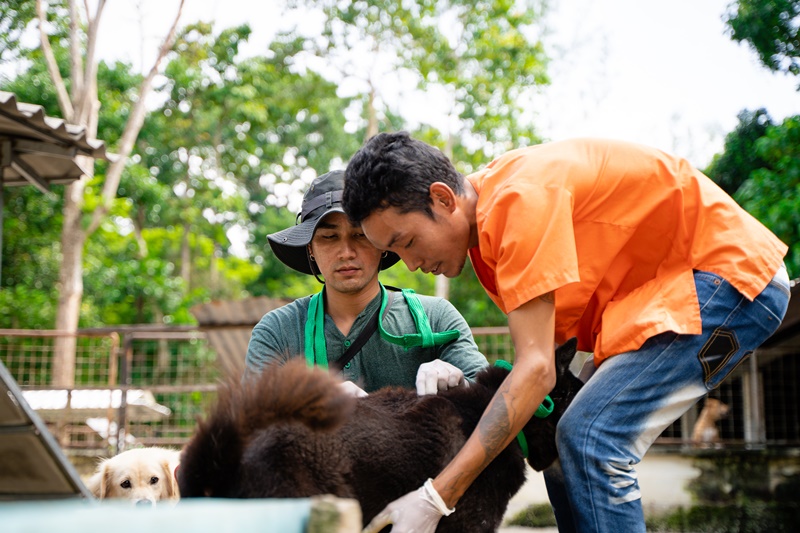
(289, 245)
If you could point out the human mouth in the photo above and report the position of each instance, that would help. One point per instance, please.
(347, 270)
(435, 270)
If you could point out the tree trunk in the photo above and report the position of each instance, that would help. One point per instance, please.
(442, 286)
(73, 237)
(186, 258)
(372, 115)
(81, 108)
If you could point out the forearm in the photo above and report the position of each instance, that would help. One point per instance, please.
(507, 413)
(532, 328)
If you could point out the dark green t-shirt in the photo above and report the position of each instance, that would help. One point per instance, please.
(280, 335)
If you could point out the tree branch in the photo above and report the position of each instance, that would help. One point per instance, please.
(76, 61)
(90, 76)
(132, 128)
(52, 66)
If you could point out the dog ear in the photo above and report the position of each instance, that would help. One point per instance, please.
(170, 479)
(106, 480)
(565, 354)
(95, 483)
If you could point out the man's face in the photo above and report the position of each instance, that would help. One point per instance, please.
(435, 245)
(344, 256)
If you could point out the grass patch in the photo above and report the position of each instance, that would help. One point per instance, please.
(536, 515)
(750, 517)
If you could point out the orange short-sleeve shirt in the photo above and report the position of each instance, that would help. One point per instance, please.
(615, 229)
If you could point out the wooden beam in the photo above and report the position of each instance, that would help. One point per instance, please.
(29, 174)
(5, 154)
(42, 148)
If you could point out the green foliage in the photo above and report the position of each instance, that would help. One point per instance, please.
(235, 142)
(537, 515)
(771, 28)
(750, 517)
(31, 255)
(34, 86)
(731, 478)
(14, 17)
(487, 57)
(733, 167)
(468, 296)
(772, 194)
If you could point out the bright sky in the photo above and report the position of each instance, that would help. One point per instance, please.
(660, 72)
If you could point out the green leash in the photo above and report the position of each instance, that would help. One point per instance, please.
(426, 337)
(316, 352)
(315, 348)
(543, 411)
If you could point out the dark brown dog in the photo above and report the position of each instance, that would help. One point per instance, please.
(293, 433)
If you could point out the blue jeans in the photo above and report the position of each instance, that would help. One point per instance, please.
(633, 397)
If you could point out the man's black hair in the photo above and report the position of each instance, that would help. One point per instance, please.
(394, 170)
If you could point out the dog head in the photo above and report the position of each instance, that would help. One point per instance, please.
(716, 409)
(142, 475)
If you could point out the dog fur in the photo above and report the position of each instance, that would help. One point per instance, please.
(293, 433)
(705, 429)
(142, 475)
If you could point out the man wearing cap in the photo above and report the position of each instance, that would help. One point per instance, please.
(374, 336)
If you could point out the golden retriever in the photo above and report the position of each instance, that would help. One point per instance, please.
(142, 475)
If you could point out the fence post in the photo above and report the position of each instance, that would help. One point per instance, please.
(126, 360)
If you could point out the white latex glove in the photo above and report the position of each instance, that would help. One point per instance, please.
(436, 376)
(416, 512)
(352, 389)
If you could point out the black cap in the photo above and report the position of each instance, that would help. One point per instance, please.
(322, 198)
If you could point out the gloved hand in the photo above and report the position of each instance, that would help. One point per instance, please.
(416, 512)
(436, 376)
(352, 389)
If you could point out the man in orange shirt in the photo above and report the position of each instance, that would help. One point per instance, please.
(653, 267)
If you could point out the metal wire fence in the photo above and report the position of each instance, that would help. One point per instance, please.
(132, 387)
(148, 386)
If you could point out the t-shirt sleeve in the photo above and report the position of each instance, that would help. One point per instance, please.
(267, 344)
(462, 353)
(527, 237)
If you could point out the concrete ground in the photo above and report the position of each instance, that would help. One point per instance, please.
(662, 480)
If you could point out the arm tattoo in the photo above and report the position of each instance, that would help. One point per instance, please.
(549, 297)
(495, 425)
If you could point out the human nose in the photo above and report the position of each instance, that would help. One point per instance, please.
(411, 262)
(347, 249)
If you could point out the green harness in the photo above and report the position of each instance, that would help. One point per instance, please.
(543, 411)
(315, 346)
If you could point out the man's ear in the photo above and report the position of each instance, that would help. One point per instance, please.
(442, 196)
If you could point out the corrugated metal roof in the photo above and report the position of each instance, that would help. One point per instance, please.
(35, 467)
(41, 145)
(228, 324)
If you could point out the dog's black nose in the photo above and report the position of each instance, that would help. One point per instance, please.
(144, 503)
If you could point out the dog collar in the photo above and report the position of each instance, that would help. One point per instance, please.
(523, 442)
(547, 405)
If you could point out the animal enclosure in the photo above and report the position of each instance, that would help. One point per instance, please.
(170, 377)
